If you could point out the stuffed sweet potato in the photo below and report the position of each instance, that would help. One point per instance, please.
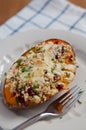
(40, 73)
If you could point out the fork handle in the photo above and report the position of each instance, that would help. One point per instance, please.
(28, 122)
(34, 119)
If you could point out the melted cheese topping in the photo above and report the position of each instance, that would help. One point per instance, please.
(41, 73)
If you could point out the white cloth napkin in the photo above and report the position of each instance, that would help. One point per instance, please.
(55, 14)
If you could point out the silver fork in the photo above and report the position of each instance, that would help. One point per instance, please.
(57, 108)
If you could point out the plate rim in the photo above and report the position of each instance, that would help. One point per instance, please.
(42, 30)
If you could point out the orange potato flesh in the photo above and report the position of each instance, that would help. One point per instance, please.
(9, 96)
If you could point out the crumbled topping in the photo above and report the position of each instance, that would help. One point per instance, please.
(41, 72)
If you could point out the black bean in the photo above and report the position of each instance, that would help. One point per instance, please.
(30, 91)
(14, 93)
(55, 77)
(59, 86)
(45, 72)
(62, 51)
(56, 56)
(20, 99)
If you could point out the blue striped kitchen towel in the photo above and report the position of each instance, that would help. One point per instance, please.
(54, 14)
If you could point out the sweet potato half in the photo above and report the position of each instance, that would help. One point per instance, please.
(40, 73)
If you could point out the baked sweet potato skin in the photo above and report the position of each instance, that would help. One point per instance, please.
(10, 97)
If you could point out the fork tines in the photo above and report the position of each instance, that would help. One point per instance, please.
(68, 99)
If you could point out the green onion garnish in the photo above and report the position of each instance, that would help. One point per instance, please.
(79, 101)
(24, 69)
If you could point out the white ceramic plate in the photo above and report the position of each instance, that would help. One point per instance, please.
(10, 50)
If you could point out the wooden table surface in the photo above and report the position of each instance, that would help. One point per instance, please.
(8, 8)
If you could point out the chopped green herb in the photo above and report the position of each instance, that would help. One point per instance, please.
(37, 49)
(44, 50)
(42, 59)
(30, 52)
(18, 74)
(24, 69)
(58, 46)
(60, 117)
(17, 100)
(35, 85)
(61, 61)
(52, 69)
(68, 74)
(35, 56)
(40, 48)
(22, 88)
(19, 62)
(79, 101)
(5, 73)
(28, 76)
(81, 91)
(26, 57)
(52, 59)
(32, 75)
(77, 66)
(30, 67)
